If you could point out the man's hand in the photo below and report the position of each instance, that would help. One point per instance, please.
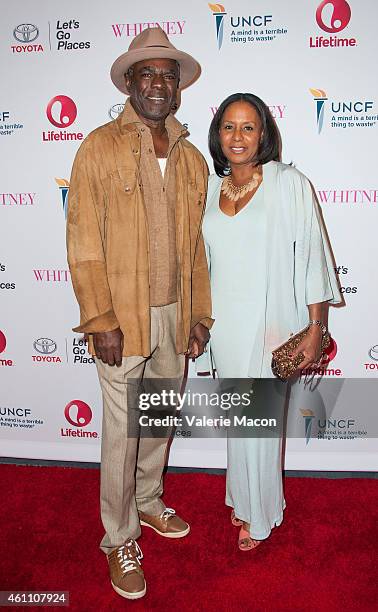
(109, 346)
(198, 338)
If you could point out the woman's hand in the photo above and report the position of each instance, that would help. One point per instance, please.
(311, 347)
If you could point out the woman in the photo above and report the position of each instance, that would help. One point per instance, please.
(271, 274)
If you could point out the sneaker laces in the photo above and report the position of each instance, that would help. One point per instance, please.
(127, 558)
(167, 513)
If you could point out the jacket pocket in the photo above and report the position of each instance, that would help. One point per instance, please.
(119, 185)
(125, 179)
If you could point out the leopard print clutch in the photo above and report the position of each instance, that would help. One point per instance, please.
(283, 365)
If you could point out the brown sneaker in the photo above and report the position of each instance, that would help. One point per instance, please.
(126, 573)
(167, 524)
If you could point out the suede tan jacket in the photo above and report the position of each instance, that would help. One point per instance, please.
(108, 242)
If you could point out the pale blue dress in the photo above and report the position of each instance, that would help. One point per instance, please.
(236, 251)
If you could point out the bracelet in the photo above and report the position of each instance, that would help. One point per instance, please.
(319, 323)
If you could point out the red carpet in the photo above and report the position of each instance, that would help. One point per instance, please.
(320, 559)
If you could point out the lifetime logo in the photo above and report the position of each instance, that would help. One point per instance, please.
(61, 111)
(78, 414)
(3, 342)
(332, 16)
(3, 346)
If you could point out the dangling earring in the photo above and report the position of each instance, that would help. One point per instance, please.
(227, 170)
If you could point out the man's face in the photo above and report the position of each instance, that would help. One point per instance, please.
(153, 87)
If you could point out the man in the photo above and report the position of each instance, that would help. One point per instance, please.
(139, 272)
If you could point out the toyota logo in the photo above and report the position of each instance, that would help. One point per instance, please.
(26, 32)
(46, 346)
(115, 110)
(373, 353)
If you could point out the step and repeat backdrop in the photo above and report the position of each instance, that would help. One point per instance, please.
(314, 64)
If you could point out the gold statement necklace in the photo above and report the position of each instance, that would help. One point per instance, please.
(236, 192)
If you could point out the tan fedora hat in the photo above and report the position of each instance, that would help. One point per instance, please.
(153, 43)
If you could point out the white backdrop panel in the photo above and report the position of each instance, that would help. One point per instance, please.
(50, 50)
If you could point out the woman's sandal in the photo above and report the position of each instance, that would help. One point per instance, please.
(245, 541)
(235, 521)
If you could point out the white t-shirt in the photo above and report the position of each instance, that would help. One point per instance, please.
(162, 163)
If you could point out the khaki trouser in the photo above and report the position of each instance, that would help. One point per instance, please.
(132, 468)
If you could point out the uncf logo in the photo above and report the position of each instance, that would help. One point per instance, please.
(3, 342)
(219, 13)
(61, 111)
(78, 413)
(333, 15)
